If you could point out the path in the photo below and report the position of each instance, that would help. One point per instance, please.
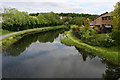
(1, 37)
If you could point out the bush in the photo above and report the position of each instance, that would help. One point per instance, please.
(104, 40)
(86, 33)
(90, 36)
(116, 23)
(75, 28)
(115, 36)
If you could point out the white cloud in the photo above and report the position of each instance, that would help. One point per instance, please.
(75, 6)
(34, 0)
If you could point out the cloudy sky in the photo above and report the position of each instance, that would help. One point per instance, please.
(74, 6)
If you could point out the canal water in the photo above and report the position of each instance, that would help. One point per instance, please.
(42, 55)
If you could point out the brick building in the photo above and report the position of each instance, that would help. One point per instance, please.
(103, 20)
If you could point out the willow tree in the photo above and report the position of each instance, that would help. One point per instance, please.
(52, 18)
(15, 20)
(42, 20)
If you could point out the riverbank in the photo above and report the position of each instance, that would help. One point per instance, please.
(4, 32)
(7, 41)
(111, 56)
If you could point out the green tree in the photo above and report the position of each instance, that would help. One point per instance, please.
(79, 21)
(116, 23)
(14, 20)
(87, 23)
(42, 20)
(52, 18)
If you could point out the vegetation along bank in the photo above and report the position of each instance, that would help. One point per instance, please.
(6, 42)
(109, 55)
(105, 45)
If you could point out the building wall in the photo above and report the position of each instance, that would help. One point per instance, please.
(103, 20)
(98, 21)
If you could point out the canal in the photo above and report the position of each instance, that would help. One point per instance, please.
(42, 55)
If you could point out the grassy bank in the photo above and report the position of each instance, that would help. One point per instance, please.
(109, 55)
(6, 42)
(4, 32)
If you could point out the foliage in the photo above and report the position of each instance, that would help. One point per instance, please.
(4, 32)
(111, 56)
(15, 20)
(83, 33)
(75, 15)
(116, 23)
(34, 14)
(7, 41)
(75, 28)
(52, 18)
(79, 21)
(74, 21)
(87, 33)
(19, 46)
(87, 22)
(70, 18)
(90, 36)
(104, 40)
(42, 20)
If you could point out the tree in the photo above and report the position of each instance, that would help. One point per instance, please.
(42, 20)
(116, 23)
(8, 19)
(87, 23)
(15, 20)
(52, 18)
(79, 21)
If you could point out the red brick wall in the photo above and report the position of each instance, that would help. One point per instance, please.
(100, 21)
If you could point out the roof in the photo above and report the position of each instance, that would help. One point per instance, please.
(101, 15)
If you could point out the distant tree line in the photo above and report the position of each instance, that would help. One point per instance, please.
(15, 20)
(73, 15)
(75, 18)
(90, 16)
(34, 14)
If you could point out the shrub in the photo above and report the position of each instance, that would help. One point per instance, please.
(75, 28)
(104, 40)
(90, 36)
(87, 33)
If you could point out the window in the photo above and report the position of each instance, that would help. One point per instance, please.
(109, 18)
(102, 24)
(102, 18)
(105, 18)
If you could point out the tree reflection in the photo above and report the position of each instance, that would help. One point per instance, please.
(43, 37)
(112, 71)
(85, 54)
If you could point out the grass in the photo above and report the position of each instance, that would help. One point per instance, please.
(4, 32)
(109, 54)
(6, 42)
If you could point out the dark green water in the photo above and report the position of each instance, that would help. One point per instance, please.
(42, 55)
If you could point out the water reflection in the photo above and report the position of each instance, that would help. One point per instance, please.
(18, 47)
(85, 54)
(112, 71)
(41, 55)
